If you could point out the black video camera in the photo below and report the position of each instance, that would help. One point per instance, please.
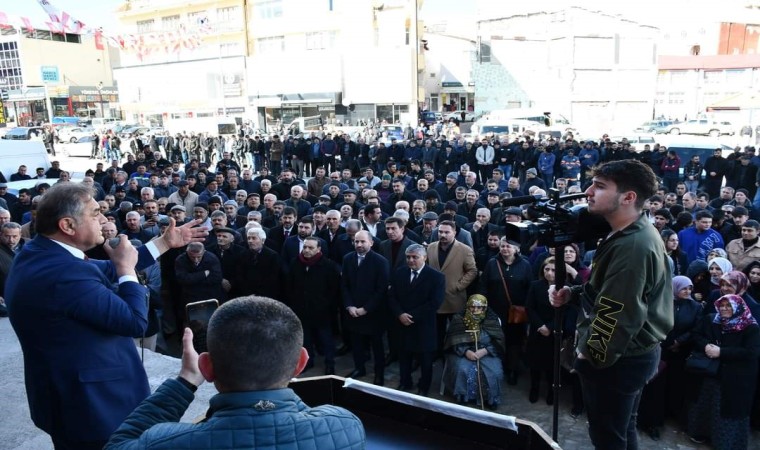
(554, 223)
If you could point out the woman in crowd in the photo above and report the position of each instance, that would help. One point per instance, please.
(718, 267)
(724, 403)
(474, 345)
(672, 247)
(540, 353)
(736, 283)
(577, 273)
(505, 282)
(666, 393)
(752, 271)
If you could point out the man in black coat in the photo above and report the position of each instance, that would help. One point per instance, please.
(199, 274)
(260, 269)
(229, 255)
(416, 293)
(365, 287)
(313, 287)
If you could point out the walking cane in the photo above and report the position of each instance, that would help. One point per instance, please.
(477, 365)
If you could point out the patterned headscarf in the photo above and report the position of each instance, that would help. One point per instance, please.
(739, 320)
(738, 280)
(472, 320)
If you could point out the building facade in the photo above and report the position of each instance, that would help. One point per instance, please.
(448, 80)
(48, 74)
(193, 63)
(594, 68)
(344, 60)
(271, 61)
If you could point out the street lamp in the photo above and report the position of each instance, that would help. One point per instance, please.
(100, 98)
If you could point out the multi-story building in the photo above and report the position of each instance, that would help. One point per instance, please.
(192, 62)
(448, 81)
(595, 68)
(50, 74)
(713, 71)
(271, 61)
(346, 60)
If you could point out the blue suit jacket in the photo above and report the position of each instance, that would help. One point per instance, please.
(75, 325)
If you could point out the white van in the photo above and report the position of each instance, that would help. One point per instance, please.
(487, 128)
(31, 154)
(551, 120)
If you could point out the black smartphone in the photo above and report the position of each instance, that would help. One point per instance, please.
(198, 316)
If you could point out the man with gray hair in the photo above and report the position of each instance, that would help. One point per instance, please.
(81, 328)
(259, 271)
(416, 293)
(199, 273)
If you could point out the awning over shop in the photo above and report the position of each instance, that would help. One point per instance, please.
(25, 95)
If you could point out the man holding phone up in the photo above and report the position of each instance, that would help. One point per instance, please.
(75, 318)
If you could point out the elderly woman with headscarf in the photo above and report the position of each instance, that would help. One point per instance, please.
(723, 407)
(666, 393)
(475, 345)
(736, 283)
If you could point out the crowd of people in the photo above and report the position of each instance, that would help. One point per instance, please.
(402, 251)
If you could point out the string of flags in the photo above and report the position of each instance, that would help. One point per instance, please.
(143, 44)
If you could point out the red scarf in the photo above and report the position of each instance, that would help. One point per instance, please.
(311, 261)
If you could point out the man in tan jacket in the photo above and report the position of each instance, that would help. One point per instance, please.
(746, 249)
(457, 263)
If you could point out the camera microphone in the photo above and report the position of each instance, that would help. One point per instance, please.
(522, 200)
(114, 242)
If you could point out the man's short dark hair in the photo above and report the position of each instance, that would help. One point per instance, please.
(289, 211)
(254, 344)
(703, 215)
(664, 212)
(369, 209)
(307, 219)
(630, 175)
(449, 223)
(396, 220)
(62, 200)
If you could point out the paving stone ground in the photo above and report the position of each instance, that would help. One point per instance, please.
(17, 432)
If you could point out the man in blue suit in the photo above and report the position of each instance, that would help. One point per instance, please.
(365, 289)
(416, 293)
(75, 318)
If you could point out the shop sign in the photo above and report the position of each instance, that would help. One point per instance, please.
(232, 110)
(50, 74)
(232, 85)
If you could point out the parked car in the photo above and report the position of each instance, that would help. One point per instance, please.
(653, 126)
(24, 133)
(73, 134)
(703, 127)
(128, 133)
(637, 140)
(80, 147)
(393, 131)
(469, 116)
(431, 117)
